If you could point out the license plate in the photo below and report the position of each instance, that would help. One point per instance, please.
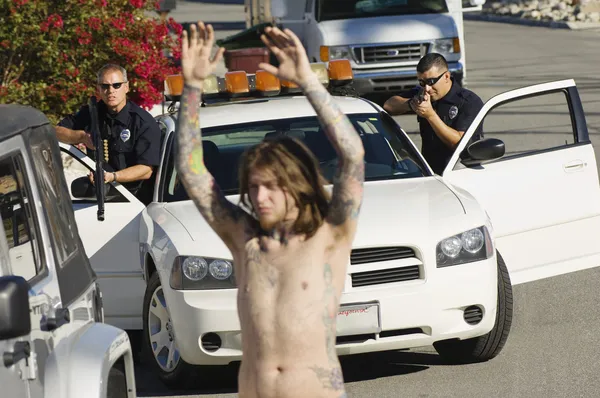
(355, 319)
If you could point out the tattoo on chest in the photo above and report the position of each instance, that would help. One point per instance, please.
(256, 264)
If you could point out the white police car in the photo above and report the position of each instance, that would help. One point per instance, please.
(431, 258)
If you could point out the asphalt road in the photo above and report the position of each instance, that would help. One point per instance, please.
(553, 348)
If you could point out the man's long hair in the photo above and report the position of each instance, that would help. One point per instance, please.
(297, 171)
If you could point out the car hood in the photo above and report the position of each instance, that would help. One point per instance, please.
(392, 211)
(388, 29)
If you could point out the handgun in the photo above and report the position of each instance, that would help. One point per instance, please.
(421, 94)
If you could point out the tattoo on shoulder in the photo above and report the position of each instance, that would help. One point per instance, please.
(332, 379)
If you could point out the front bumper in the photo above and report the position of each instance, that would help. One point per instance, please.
(412, 314)
(394, 80)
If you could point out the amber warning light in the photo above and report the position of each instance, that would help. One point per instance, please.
(237, 84)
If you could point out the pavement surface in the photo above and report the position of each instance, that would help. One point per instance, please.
(553, 347)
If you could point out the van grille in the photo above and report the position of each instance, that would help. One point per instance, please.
(378, 254)
(390, 53)
(381, 276)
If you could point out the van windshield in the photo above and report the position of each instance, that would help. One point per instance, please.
(349, 9)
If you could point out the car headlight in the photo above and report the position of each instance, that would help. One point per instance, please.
(472, 245)
(194, 268)
(202, 273)
(446, 46)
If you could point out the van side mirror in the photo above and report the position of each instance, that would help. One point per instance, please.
(15, 320)
(483, 150)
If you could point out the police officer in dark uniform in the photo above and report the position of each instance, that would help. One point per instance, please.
(445, 111)
(131, 136)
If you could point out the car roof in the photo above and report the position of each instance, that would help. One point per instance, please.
(18, 118)
(256, 110)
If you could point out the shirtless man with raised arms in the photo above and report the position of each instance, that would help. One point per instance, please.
(290, 253)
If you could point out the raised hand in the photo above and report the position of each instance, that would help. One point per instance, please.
(196, 62)
(293, 61)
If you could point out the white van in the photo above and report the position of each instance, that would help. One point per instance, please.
(383, 39)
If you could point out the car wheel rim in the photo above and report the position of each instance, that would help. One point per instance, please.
(161, 333)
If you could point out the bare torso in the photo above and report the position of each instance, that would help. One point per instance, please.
(288, 298)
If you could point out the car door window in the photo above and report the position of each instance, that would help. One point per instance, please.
(73, 169)
(54, 197)
(17, 219)
(530, 125)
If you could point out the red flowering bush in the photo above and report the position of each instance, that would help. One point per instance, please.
(50, 51)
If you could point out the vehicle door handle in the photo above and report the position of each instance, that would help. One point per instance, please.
(574, 165)
(62, 317)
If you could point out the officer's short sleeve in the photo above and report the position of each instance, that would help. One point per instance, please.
(147, 147)
(467, 114)
(77, 121)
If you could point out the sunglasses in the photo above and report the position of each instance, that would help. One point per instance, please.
(431, 81)
(116, 86)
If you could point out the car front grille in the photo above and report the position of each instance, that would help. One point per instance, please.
(408, 271)
(390, 53)
(382, 276)
(379, 254)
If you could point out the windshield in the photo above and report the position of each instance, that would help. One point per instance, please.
(347, 9)
(388, 152)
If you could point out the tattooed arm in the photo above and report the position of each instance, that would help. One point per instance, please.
(222, 215)
(348, 183)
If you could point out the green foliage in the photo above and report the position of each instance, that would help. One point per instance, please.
(50, 51)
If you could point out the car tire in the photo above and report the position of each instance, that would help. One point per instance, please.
(182, 374)
(488, 346)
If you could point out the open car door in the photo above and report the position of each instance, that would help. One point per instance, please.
(113, 244)
(543, 195)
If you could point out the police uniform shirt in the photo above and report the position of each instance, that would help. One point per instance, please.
(133, 135)
(458, 108)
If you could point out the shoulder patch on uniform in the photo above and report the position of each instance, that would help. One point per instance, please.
(453, 111)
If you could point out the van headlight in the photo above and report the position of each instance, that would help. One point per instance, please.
(202, 273)
(336, 52)
(472, 245)
(446, 46)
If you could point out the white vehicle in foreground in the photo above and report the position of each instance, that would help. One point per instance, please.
(432, 255)
(53, 343)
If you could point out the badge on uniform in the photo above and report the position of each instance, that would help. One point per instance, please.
(453, 112)
(125, 135)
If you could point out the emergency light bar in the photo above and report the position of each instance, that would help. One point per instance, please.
(263, 84)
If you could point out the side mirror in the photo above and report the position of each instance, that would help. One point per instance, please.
(15, 320)
(483, 150)
(82, 188)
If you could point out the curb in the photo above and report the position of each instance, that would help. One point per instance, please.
(530, 22)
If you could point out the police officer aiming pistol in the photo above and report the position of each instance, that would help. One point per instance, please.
(444, 110)
(131, 136)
